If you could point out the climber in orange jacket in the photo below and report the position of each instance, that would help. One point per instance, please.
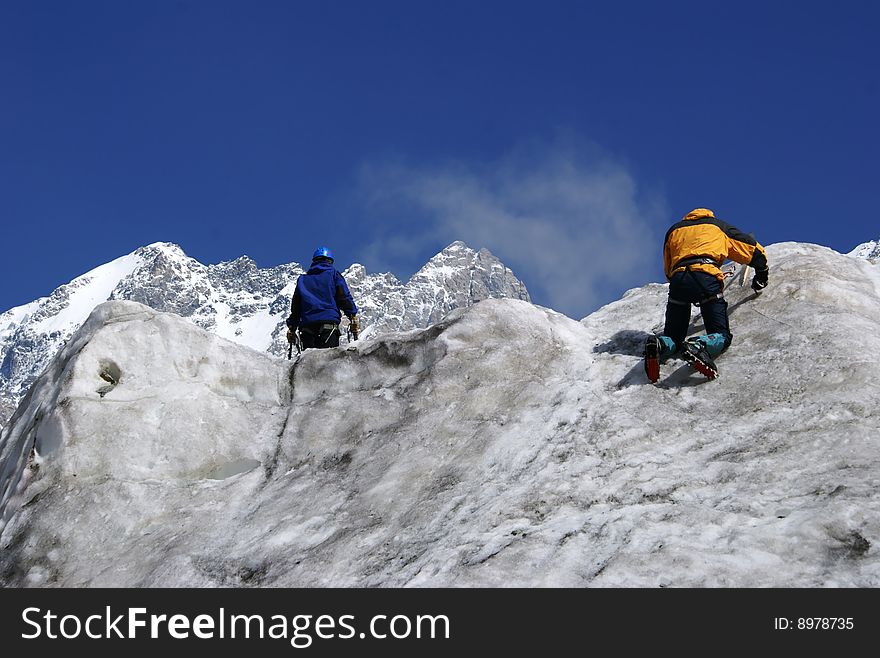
(694, 250)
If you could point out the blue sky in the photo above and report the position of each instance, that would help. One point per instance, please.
(563, 136)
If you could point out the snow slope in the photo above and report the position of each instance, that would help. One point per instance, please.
(476, 452)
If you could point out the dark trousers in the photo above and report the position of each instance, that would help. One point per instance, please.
(323, 334)
(689, 288)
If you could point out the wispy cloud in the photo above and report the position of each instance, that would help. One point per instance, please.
(568, 219)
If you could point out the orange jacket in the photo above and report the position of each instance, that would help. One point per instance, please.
(700, 234)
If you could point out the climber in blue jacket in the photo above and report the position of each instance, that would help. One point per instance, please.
(320, 297)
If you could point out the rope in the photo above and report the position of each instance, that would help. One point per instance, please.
(774, 319)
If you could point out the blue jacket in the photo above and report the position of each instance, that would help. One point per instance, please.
(320, 295)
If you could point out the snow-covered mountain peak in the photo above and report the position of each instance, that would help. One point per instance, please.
(454, 254)
(458, 273)
(170, 248)
(456, 250)
(168, 252)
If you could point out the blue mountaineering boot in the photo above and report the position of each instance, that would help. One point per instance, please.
(695, 353)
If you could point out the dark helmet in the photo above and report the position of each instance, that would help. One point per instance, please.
(323, 252)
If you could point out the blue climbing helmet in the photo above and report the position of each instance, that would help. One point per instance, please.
(322, 252)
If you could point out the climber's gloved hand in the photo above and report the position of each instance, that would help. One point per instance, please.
(759, 281)
(291, 336)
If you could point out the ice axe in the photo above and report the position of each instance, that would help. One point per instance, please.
(353, 328)
(296, 341)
